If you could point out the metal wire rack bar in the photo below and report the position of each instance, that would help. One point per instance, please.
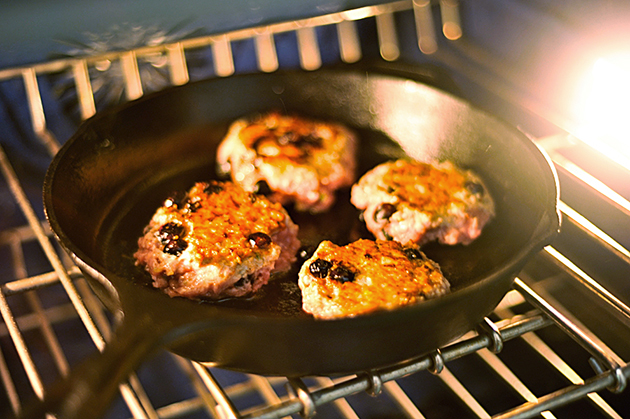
(564, 396)
(586, 339)
(222, 39)
(213, 397)
(537, 344)
(71, 290)
(305, 402)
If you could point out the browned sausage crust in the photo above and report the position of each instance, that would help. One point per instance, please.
(367, 275)
(216, 241)
(412, 201)
(300, 160)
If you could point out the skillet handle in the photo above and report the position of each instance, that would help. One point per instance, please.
(91, 386)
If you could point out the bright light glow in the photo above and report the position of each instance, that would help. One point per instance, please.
(602, 107)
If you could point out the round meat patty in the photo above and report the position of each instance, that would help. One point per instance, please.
(216, 241)
(289, 158)
(367, 275)
(411, 201)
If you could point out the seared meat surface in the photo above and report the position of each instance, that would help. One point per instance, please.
(289, 158)
(216, 241)
(411, 201)
(367, 275)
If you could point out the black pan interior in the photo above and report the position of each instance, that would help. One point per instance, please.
(105, 184)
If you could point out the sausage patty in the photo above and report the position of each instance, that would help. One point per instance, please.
(216, 241)
(367, 275)
(411, 201)
(289, 158)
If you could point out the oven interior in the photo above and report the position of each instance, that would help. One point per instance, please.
(556, 346)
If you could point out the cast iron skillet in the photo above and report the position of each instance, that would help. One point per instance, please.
(105, 183)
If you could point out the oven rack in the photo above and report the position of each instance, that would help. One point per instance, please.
(526, 312)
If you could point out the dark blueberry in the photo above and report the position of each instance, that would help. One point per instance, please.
(342, 274)
(414, 254)
(175, 247)
(474, 187)
(213, 188)
(170, 231)
(260, 240)
(319, 268)
(384, 211)
(262, 188)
